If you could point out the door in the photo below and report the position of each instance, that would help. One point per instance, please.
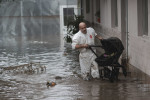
(67, 13)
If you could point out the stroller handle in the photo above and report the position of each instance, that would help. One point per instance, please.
(90, 47)
(95, 46)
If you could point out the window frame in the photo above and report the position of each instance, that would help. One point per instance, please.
(142, 13)
(114, 13)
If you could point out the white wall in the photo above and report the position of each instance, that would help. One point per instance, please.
(139, 46)
(119, 15)
(106, 13)
(105, 27)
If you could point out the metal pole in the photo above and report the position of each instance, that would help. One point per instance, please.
(127, 30)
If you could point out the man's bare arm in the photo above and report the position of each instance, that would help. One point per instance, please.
(99, 37)
(78, 46)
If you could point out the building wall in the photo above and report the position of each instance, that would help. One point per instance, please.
(106, 13)
(105, 27)
(87, 16)
(138, 47)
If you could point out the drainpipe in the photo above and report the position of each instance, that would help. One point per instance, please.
(124, 23)
(127, 31)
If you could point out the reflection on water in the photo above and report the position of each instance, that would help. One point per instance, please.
(15, 84)
(62, 67)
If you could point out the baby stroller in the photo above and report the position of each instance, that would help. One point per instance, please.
(108, 61)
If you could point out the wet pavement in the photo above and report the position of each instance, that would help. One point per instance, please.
(62, 67)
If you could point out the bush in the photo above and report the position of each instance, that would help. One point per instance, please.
(73, 27)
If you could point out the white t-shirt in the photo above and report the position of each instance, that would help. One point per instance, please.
(81, 38)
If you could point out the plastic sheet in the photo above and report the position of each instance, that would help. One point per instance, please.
(23, 21)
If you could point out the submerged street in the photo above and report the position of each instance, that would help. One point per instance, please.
(62, 67)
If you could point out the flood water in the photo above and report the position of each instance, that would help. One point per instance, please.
(62, 67)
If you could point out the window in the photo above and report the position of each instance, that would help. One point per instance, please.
(142, 8)
(87, 6)
(114, 13)
(68, 15)
(97, 14)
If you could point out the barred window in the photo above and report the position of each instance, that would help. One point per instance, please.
(142, 7)
(97, 14)
(114, 13)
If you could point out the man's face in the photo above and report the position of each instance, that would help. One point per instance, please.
(83, 28)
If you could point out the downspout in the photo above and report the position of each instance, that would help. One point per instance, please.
(127, 31)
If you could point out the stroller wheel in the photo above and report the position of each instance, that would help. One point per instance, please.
(101, 77)
(124, 71)
(111, 78)
(107, 72)
(114, 74)
(101, 74)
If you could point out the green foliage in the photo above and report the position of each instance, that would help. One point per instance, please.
(73, 27)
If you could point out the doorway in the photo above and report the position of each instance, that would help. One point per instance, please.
(67, 13)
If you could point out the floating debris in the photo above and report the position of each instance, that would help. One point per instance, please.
(50, 84)
(30, 68)
(58, 77)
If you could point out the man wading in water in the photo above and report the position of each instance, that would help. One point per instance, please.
(81, 41)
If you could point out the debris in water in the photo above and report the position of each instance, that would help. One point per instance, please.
(32, 67)
(50, 84)
(58, 77)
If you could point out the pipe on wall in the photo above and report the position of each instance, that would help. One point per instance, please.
(127, 30)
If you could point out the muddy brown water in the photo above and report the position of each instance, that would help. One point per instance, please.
(62, 67)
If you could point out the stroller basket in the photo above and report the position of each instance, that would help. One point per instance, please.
(105, 60)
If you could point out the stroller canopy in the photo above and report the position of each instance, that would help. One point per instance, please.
(112, 44)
